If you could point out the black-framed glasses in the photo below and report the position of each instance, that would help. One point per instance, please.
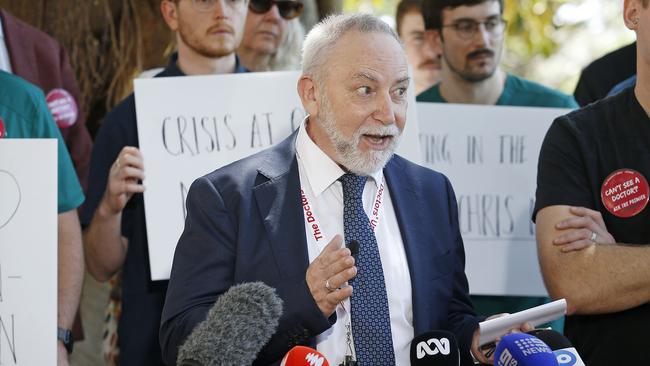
(287, 9)
(467, 28)
(205, 6)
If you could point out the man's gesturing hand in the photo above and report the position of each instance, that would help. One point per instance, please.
(328, 273)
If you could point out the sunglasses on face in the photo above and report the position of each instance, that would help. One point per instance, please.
(287, 9)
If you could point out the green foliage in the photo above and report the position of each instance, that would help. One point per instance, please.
(530, 27)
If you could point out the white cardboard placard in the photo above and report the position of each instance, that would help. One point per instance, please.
(490, 153)
(28, 251)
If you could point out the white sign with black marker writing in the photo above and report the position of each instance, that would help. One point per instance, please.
(490, 155)
(28, 251)
(190, 126)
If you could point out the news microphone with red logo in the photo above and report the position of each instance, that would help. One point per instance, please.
(304, 356)
(435, 348)
(521, 349)
(565, 353)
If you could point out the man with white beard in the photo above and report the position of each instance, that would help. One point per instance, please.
(282, 216)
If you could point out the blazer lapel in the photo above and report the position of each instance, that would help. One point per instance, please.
(417, 239)
(278, 202)
(19, 46)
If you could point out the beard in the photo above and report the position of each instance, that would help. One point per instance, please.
(467, 73)
(347, 149)
(201, 43)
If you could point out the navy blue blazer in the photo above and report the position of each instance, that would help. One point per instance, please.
(245, 223)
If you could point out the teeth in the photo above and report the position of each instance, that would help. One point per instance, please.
(376, 139)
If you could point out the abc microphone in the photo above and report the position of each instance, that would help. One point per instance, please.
(235, 329)
(435, 348)
(564, 351)
(521, 349)
(304, 356)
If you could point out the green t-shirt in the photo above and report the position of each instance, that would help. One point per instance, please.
(522, 93)
(516, 92)
(24, 113)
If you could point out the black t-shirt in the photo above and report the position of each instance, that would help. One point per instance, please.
(579, 152)
(600, 76)
(142, 299)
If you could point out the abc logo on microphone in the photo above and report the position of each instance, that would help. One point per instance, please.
(432, 347)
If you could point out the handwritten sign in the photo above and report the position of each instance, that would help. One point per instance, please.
(190, 126)
(28, 251)
(490, 155)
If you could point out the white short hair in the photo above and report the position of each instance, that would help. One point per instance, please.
(323, 37)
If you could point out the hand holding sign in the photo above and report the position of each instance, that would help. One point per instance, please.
(124, 179)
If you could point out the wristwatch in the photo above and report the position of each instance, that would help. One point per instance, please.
(65, 336)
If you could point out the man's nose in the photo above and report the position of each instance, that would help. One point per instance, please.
(384, 112)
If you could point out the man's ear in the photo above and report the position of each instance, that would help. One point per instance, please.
(631, 13)
(169, 11)
(309, 94)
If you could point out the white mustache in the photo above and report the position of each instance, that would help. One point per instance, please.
(390, 130)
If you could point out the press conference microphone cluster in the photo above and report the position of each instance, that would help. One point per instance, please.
(238, 325)
(304, 356)
(435, 348)
(521, 349)
(565, 353)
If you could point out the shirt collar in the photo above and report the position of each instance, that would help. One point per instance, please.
(2, 31)
(320, 169)
(172, 68)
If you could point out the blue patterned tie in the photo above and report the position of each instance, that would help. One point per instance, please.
(369, 302)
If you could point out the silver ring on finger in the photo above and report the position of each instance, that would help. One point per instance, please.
(328, 286)
(593, 237)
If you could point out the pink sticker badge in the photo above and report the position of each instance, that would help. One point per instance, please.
(624, 193)
(3, 132)
(63, 107)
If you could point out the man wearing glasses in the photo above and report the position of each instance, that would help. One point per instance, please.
(470, 36)
(207, 35)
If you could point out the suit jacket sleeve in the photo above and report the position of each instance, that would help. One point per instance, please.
(210, 258)
(462, 319)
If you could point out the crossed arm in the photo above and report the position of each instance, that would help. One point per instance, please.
(600, 276)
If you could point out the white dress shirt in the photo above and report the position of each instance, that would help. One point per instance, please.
(5, 62)
(319, 176)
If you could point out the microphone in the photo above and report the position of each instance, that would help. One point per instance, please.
(236, 328)
(353, 245)
(435, 348)
(565, 353)
(521, 349)
(304, 356)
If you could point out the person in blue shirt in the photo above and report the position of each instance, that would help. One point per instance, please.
(207, 35)
(24, 114)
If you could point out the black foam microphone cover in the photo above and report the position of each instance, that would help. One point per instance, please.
(238, 325)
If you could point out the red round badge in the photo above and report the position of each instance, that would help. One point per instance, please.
(63, 107)
(624, 193)
(3, 132)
